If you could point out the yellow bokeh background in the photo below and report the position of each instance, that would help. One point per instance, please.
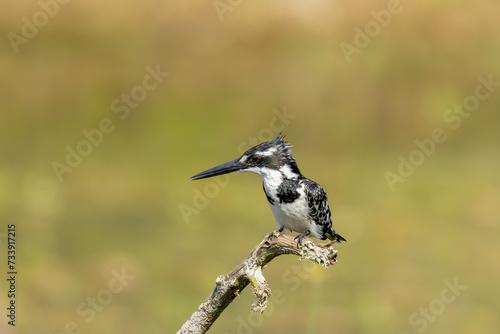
(238, 73)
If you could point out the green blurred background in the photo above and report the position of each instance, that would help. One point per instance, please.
(129, 204)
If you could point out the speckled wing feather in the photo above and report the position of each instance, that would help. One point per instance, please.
(319, 210)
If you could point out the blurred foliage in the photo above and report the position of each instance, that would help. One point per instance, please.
(121, 206)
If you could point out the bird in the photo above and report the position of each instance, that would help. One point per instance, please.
(297, 203)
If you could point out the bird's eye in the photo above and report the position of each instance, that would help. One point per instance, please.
(254, 159)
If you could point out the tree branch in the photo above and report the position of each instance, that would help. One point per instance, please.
(250, 272)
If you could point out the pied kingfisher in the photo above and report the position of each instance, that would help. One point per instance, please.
(298, 204)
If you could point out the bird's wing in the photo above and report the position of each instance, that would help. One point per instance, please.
(319, 210)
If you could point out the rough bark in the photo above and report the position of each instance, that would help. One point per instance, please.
(250, 272)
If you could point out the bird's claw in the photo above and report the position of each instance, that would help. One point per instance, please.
(300, 237)
(274, 234)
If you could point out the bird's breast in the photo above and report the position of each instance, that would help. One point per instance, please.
(282, 190)
(289, 206)
(293, 216)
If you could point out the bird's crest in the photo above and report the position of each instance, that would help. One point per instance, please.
(283, 147)
(277, 150)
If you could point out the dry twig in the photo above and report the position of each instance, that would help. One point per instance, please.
(250, 272)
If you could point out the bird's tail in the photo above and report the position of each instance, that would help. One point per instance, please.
(334, 236)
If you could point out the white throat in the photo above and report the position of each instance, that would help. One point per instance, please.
(272, 178)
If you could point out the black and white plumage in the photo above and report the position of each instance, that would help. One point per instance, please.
(298, 204)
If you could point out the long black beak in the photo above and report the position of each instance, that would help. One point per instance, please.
(228, 167)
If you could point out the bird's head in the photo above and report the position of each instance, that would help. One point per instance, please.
(264, 159)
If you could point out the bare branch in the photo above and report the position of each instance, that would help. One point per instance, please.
(250, 272)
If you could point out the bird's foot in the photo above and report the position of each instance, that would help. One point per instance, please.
(301, 236)
(274, 234)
